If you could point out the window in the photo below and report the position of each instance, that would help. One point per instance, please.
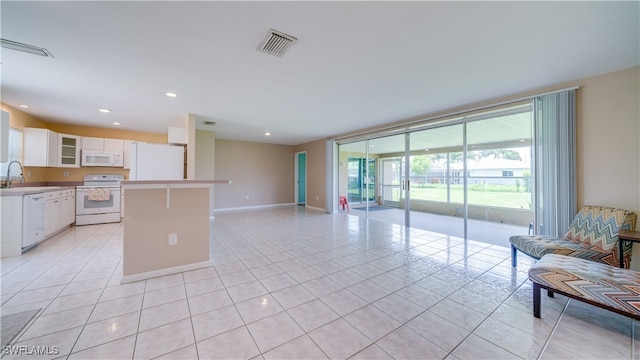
(459, 160)
(15, 154)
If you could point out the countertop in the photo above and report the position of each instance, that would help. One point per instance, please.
(173, 182)
(26, 190)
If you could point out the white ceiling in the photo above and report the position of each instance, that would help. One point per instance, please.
(355, 64)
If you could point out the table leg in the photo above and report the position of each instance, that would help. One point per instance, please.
(620, 254)
(536, 300)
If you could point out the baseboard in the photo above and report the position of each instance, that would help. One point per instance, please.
(163, 272)
(316, 208)
(256, 207)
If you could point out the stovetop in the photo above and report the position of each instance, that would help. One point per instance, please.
(103, 180)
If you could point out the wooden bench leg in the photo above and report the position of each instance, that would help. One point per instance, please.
(536, 300)
(549, 293)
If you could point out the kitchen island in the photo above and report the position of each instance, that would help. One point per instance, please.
(166, 227)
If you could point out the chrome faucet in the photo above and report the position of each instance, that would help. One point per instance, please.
(8, 178)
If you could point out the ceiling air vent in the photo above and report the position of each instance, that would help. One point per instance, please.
(276, 43)
(208, 123)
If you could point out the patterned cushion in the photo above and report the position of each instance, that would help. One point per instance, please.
(537, 246)
(597, 227)
(603, 284)
(593, 235)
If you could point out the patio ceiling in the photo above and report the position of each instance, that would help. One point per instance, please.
(507, 130)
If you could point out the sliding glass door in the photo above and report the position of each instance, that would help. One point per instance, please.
(391, 181)
(437, 179)
(499, 184)
(389, 151)
(473, 176)
(357, 173)
(362, 183)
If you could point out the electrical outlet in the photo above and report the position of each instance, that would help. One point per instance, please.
(247, 197)
(173, 239)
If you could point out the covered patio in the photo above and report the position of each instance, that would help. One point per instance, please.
(484, 231)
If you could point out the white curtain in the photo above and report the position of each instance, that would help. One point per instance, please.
(555, 163)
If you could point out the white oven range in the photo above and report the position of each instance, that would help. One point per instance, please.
(98, 200)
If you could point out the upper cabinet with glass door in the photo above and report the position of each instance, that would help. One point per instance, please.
(68, 150)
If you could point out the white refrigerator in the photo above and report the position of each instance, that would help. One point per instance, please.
(156, 162)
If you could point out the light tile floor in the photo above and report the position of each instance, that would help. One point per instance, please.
(300, 284)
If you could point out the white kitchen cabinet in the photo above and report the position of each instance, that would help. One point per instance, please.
(177, 135)
(17, 223)
(114, 144)
(60, 210)
(69, 150)
(40, 147)
(94, 143)
(11, 230)
(43, 147)
(69, 210)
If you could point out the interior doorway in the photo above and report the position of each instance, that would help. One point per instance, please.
(301, 178)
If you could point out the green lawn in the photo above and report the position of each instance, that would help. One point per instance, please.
(487, 195)
(518, 200)
(509, 199)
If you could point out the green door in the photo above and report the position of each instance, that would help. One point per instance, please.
(302, 178)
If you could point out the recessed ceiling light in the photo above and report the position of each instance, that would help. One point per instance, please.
(116, 123)
(267, 134)
(24, 106)
(172, 95)
(104, 110)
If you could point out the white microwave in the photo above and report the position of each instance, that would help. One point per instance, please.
(102, 158)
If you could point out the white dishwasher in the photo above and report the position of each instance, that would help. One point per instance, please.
(33, 223)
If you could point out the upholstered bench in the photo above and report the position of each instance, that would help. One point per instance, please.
(593, 235)
(602, 285)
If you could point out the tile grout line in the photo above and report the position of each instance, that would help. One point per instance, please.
(57, 296)
(97, 301)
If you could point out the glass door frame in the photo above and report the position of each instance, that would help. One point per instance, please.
(390, 187)
(463, 122)
(366, 181)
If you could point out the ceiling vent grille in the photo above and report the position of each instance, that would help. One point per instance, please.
(208, 123)
(276, 43)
